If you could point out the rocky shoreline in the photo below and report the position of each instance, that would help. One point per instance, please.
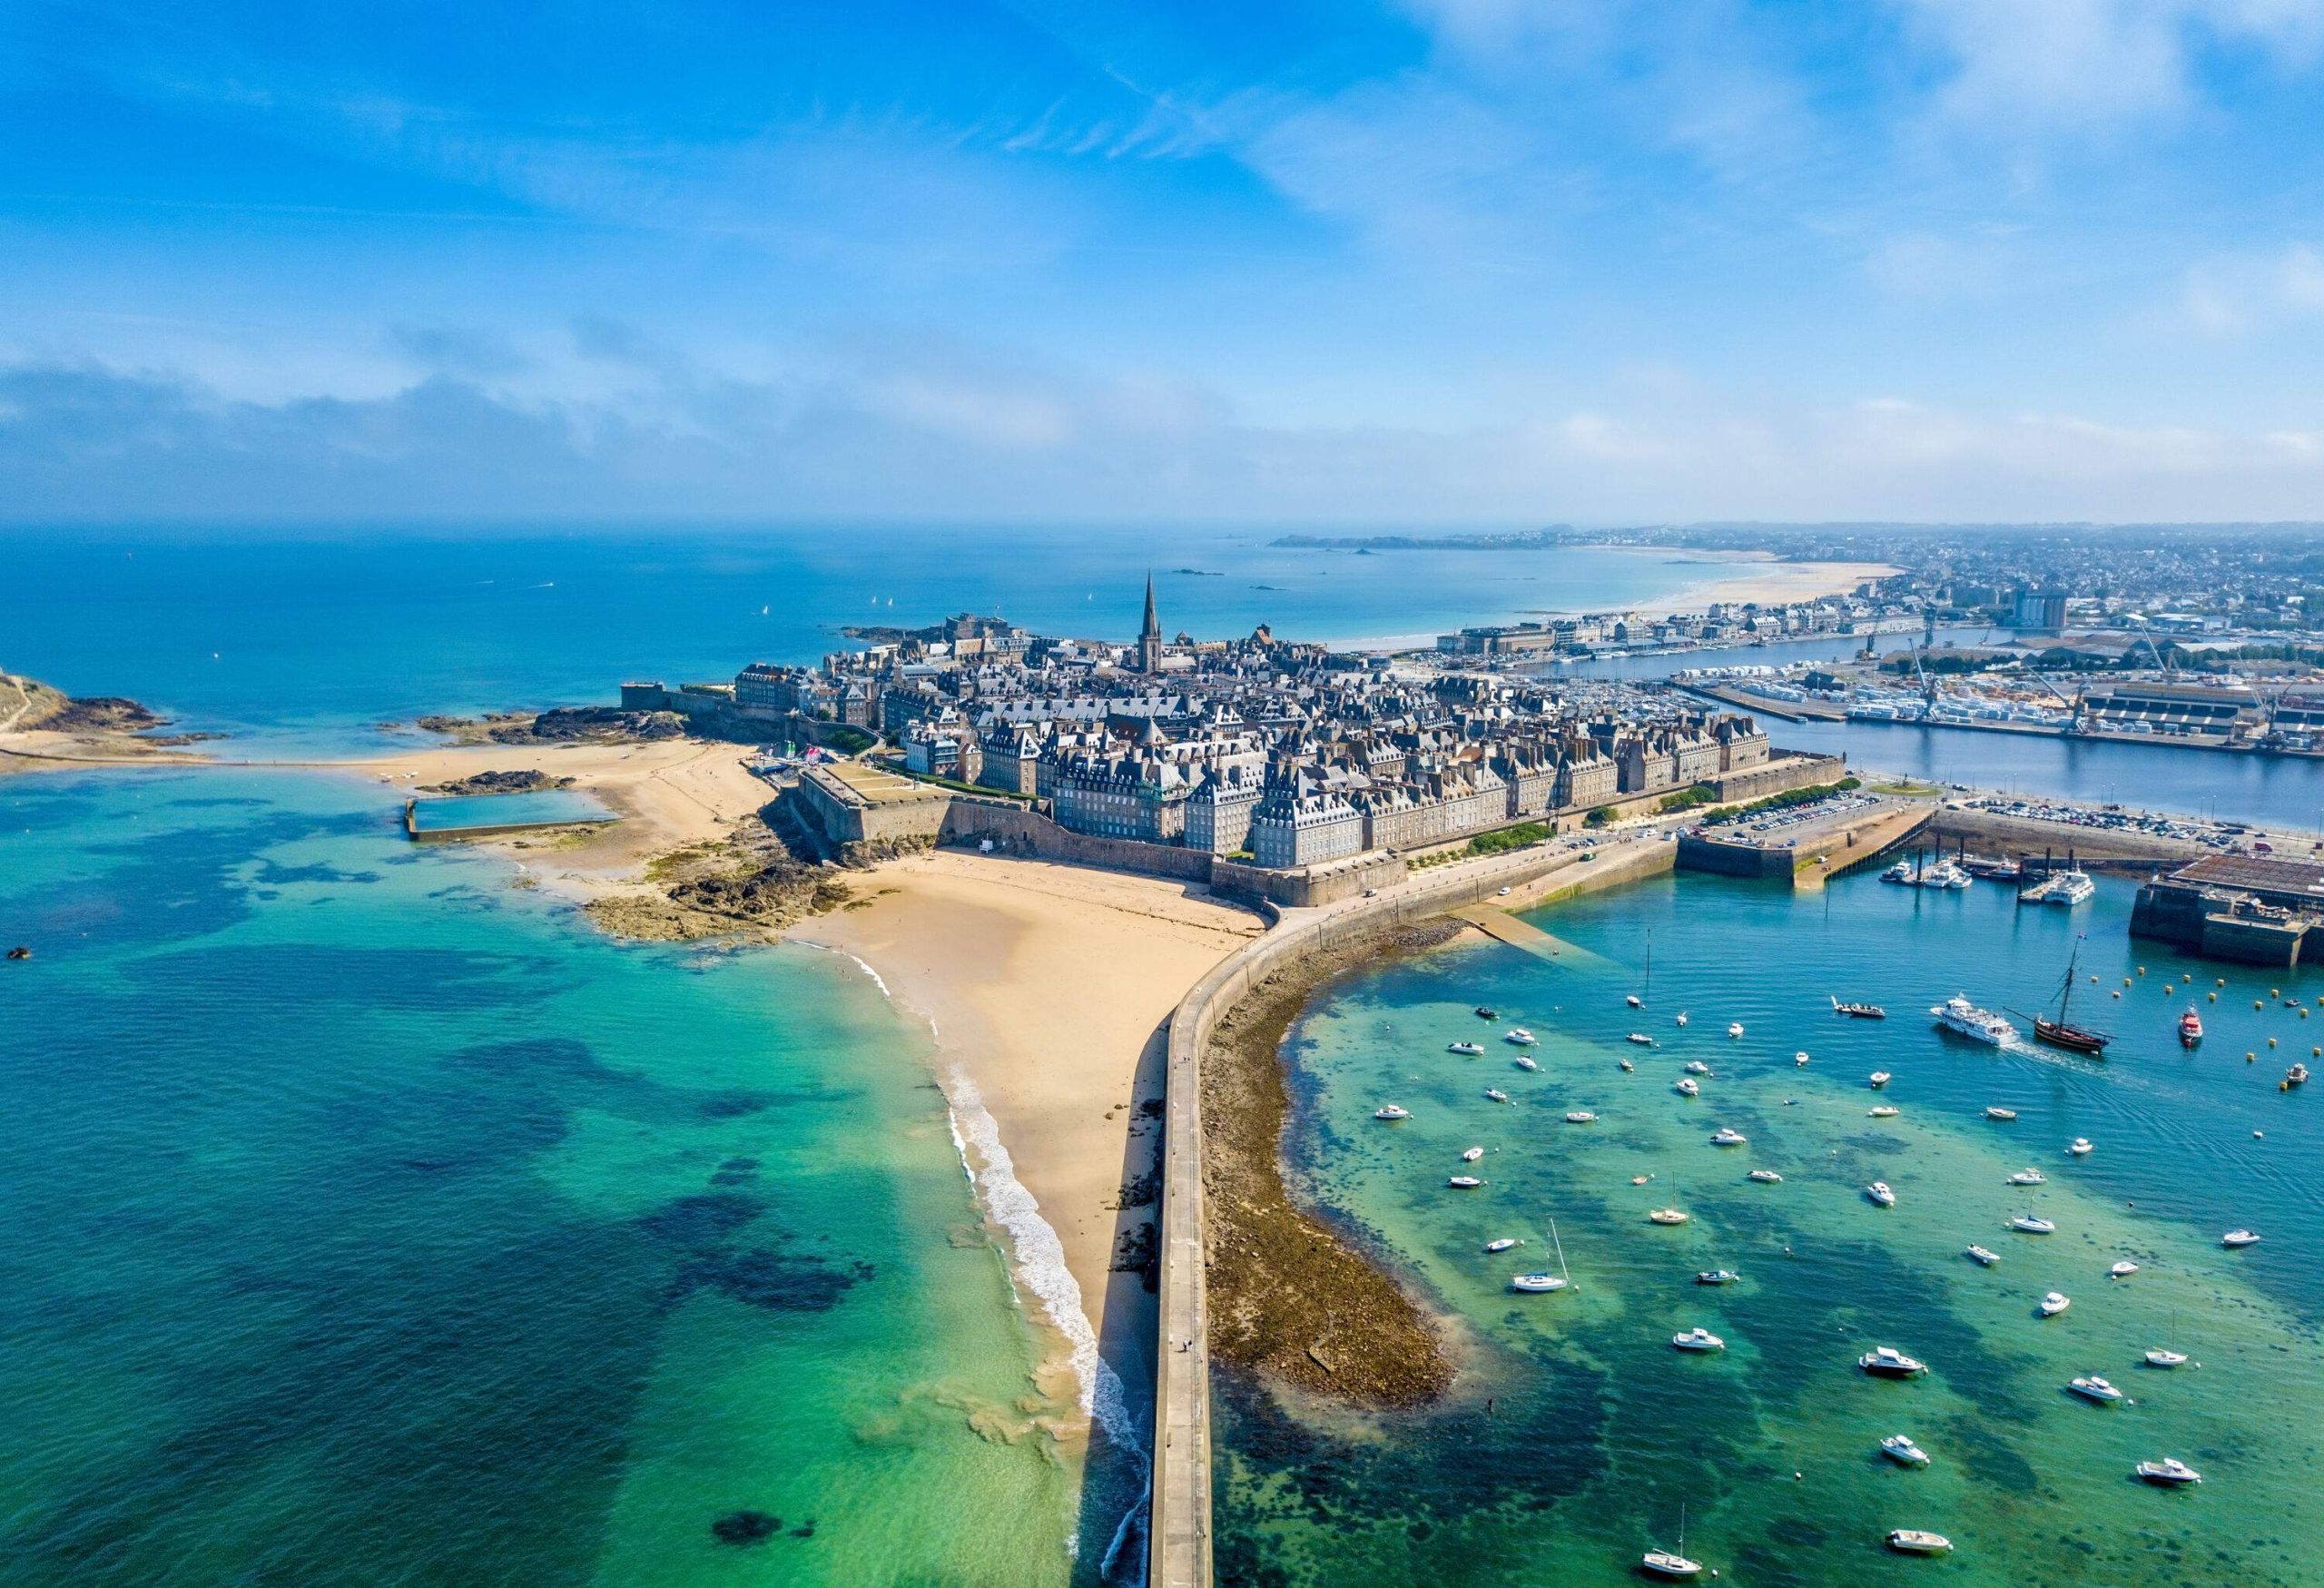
(1291, 1298)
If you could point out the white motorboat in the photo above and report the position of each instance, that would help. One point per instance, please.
(1496, 1094)
(1717, 1277)
(1635, 1002)
(1919, 1541)
(1727, 1136)
(1982, 1255)
(1640, 1038)
(2055, 1303)
(1800, 1058)
(1696, 1067)
(1474, 1154)
(1698, 1340)
(1525, 1061)
(1466, 1049)
(1464, 1182)
(2122, 1269)
(1628, 1067)
(1581, 1117)
(2078, 1147)
(1666, 1216)
(1518, 1036)
(1887, 1362)
(1687, 1086)
(1958, 1015)
(2168, 1472)
(1879, 1078)
(1390, 1111)
(1902, 872)
(1682, 1017)
(1735, 1027)
(1897, 1447)
(1999, 1112)
(2239, 1237)
(1503, 1244)
(2029, 1176)
(1765, 1177)
(1879, 1192)
(1881, 1112)
(2095, 1388)
(2033, 1225)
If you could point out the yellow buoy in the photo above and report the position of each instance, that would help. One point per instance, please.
(2251, 1058)
(2220, 982)
(2271, 1041)
(2118, 992)
(2142, 970)
(2094, 981)
(2258, 1003)
(2214, 998)
(2126, 981)
(2273, 993)
(2168, 990)
(2190, 976)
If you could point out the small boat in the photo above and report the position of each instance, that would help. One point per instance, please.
(1390, 1111)
(1735, 1029)
(2095, 1388)
(2167, 1356)
(1539, 1284)
(1503, 1244)
(2078, 1147)
(1879, 1078)
(22, 951)
(1640, 1038)
(1765, 1177)
(1581, 1117)
(1857, 1010)
(1919, 1541)
(1887, 1362)
(2239, 1237)
(2191, 1029)
(1688, 1088)
(2055, 1303)
(1484, 1012)
(1883, 1112)
(1629, 1068)
(1666, 1216)
(1997, 1112)
(1698, 1340)
(1464, 1182)
(1897, 1447)
(1496, 1094)
(1879, 1192)
(2033, 1225)
(1983, 1255)
(1474, 1154)
(2169, 1472)
(1519, 1037)
(1727, 1136)
(1682, 1017)
(1466, 1049)
(1663, 1563)
(1696, 1067)
(2122, 1269)
(1634, 1002)
(1640, 1179)
(2296, 1076)
(2029, 1176)
(1525, 1061)
(1717, 1277)
(1902, 872)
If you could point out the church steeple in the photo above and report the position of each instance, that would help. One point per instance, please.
(1149, 637)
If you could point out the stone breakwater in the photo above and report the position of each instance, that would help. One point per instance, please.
(1180, 1525)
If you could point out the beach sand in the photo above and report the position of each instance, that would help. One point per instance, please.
(1049, 988)
(1775, 584)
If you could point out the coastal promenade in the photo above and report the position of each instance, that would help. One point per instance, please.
(1180, 1527)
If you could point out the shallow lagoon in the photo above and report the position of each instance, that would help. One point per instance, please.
(1579, 1432)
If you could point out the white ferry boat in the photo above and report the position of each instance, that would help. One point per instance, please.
(1958, 1015)
(2068, 889)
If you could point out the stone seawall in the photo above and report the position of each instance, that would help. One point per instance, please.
(1180, 1523)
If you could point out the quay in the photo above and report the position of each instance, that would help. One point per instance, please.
(1808, 853)
(2254, 908)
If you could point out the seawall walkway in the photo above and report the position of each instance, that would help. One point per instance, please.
(1180, 1527)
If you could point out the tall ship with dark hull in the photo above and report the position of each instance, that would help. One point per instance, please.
(2061, 1032)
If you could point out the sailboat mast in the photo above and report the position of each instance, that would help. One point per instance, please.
(2065, 993)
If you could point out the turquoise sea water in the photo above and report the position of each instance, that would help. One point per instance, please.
(456, 813)
(366, 1221)
(1578, 1433)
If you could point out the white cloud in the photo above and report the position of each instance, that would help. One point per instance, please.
(2230, 295)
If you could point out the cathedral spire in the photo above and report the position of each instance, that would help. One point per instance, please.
(1149, 635)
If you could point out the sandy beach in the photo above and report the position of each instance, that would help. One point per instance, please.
(1049, 987)
(1775, 584)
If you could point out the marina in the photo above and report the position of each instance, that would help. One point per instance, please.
(2176, 1163)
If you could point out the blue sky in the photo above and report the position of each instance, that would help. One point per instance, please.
(1433, 262)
